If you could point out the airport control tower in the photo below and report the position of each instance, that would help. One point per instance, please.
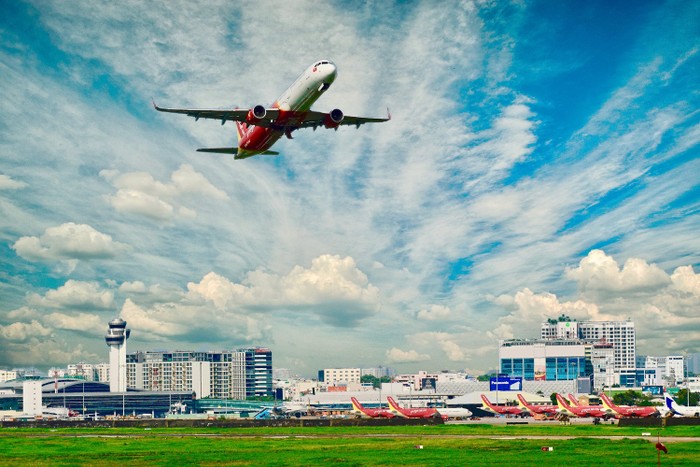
(116, 337)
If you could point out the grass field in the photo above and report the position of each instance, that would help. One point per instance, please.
(441, 445)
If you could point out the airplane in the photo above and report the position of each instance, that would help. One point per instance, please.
(627, 411)
(422, 412)
(373, 413)
(575, 403)
(260, 127)
(453, 412)
(500, 409)
(542, 409)
(680, 410)
(580, 410)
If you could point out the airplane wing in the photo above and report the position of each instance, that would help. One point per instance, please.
(314, 119)
(223, 115)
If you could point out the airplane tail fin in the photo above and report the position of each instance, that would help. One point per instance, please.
(563, 405)
(356, 404)
(522, 402)
(607, 402)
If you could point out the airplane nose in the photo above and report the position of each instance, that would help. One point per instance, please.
(332, 71)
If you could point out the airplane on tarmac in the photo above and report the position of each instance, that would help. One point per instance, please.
(260, 127)
(372, 413)
(500, 409)
(680, 410)
(627, 411)
(422, 412)
(453, 412)
(541, 409)
(580, 410)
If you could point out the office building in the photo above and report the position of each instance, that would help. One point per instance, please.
(258, 372)
(603, 363)
(239, 374)
(340, 376)
(8, 375)
(545, 359)
(621, 334)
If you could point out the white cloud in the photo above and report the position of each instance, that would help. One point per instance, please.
(76, 294)
(600, 272)
(23, 332)
(396, 355)
(139, 193)
(333, 287)
(68, 241)
(87, 323)
(434, 312)
(6, 183)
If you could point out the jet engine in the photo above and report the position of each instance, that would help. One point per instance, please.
(256, 114)
(333, 119)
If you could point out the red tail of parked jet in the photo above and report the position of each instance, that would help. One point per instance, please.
(544, 409)
(260, 127)
(373, 413)
(627, 411)
(422, 412)
(499, 409)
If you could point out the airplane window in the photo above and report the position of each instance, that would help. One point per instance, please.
(317, 64)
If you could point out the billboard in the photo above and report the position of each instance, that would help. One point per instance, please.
(505, 383)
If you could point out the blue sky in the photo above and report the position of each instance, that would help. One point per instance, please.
(542, 159)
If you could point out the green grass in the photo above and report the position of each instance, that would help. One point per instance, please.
(442, 445)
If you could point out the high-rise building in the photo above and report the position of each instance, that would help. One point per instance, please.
(238, 374)
(258, 372)
(603, 363)
(116, 337)
(621, 334)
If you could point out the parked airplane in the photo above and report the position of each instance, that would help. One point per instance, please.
(627, 411)
(454, 412)
(373, 413)
(259, 127)
(499, 409)
(542, 409)
(422, 412)
(575, 402)
(580, 410)
(680, 410)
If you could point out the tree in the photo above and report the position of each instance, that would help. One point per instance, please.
(376, 382)
(631, 397)
(682, 397)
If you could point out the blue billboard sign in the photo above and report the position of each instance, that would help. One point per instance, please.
(504, 383)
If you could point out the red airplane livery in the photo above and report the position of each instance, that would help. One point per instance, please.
(499, 409)
(422, 412)
(580, 410)
(373, 413)
(540, 409)
(260, 127)
(628, 411)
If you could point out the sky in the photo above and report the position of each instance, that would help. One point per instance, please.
(542, 159)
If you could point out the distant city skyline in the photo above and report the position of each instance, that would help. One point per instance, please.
(542, 158)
